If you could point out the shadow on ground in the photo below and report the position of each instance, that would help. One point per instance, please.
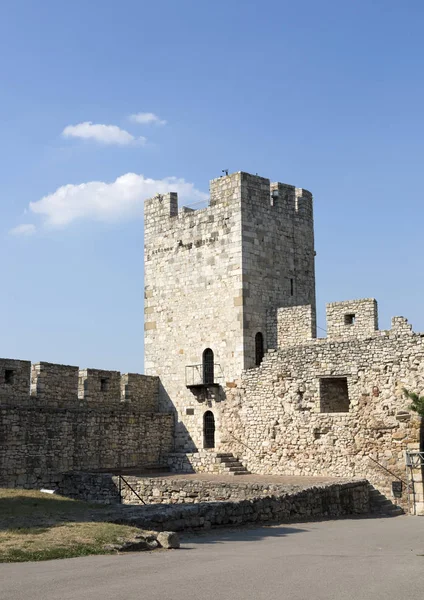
(240, 534)
(25, 509)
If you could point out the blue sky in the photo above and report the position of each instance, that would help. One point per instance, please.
(324, 95)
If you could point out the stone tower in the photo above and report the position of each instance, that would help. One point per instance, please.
(211, 278)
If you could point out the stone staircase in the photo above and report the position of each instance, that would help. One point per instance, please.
(381, 505)
(230, 465)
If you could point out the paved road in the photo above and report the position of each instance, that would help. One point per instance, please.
(368, 559)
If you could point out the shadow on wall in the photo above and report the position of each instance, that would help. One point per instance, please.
(183, 441)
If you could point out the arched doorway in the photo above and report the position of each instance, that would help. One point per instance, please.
(208, 366)
(209, 429)
(259, 348)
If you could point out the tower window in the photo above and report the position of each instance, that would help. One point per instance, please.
(9, 376)
(349, 319)
(291, 287)
(104, 385)
(259, 348)
(208, 366)
(209, 429)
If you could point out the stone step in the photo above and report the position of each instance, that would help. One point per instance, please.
(238, 468)
(233, 472)
(380, 504)
(230, 464)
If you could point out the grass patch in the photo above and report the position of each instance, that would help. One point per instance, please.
(36, 526)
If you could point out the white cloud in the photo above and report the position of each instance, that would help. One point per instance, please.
(101, 201)
(105, 134)
(147, 118)
(24, 229)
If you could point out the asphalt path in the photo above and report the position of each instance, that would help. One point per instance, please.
(358, 559)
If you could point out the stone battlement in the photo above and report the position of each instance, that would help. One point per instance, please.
(351, 319)
(62, 385)
(237, 191)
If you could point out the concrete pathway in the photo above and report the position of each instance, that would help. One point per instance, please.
(368, 559)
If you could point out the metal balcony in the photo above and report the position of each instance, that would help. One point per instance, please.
(197, 379)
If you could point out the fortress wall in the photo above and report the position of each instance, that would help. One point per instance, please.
(53, 430)
(326, 408)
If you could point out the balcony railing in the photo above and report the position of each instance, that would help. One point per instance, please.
(414, 459)
(194, 376)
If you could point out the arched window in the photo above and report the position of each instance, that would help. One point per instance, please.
(208, 371)
(259, 348)
(209, 429)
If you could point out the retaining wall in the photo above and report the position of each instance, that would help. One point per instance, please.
(332, 501)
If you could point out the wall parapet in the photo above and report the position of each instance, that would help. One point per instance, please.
(291, 326)
(352, 318)
(231, 190)
(67, 386)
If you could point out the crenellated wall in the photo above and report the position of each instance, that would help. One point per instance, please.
(352, 318)
(57, 418)
(330, 407)
(60, 384)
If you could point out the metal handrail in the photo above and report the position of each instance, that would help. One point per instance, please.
(121, 478)
(388, 471)
(240, 442)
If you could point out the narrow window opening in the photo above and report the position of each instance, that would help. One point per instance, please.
(104, 385)
(259, 348)
(9, 376)
(208, 366)
(209, 429)
(349, 319)
(274, 197)
(334, 395)
(291, 287)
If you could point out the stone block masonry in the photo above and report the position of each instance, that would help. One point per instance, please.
(331, 407)
(15, 378)
(105, 488)
(352, 318)
(210, 277)
(76, 420)
(191, 505)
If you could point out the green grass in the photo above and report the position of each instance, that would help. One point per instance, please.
(36, 526)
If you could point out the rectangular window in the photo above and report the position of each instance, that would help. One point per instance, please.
(349, 319)
(291, 287)
(104, 384)
(334, 395)
(9, 376)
